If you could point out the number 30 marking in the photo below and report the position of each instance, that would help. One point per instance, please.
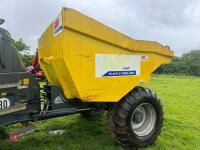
(4, 103)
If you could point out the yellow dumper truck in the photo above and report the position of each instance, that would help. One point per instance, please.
(90, 68)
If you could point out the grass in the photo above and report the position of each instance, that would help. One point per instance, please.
(181, 99)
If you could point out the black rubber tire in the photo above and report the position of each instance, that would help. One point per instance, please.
(119, 118)
(92, 114)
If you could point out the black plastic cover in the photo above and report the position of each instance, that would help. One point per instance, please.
(23, 97)
(9, 58)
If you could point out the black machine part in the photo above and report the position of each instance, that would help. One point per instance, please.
(55, 104)
(2, 21)
(9, 58)
(22, 99)
(19, 97)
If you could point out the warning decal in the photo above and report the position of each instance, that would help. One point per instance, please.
(57, 25)
(117, 65)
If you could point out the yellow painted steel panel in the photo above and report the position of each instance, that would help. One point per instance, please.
(93, 62)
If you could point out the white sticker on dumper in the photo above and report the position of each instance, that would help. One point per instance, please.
(108, 65)
(4, 103)
(57, 25)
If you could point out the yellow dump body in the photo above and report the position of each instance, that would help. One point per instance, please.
(93, 62)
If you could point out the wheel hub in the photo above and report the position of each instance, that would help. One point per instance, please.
(143, 119)
(139, 117)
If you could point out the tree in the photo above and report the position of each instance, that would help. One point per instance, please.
(23, 50)
(20, 45)
(171, 68)
(26, 59)
(191, 63)
(188, 64)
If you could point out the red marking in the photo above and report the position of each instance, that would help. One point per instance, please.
(14, 136)
(56, 24)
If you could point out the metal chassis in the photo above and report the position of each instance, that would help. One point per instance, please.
(50, 97)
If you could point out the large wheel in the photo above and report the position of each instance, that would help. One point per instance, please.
(137, 119)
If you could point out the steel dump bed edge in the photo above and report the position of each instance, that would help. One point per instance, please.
(93, 62)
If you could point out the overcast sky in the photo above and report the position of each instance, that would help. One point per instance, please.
(171, 22)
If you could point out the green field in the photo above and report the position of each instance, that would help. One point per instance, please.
(181, 99)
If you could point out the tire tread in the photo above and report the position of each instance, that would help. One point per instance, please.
(118, 115)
